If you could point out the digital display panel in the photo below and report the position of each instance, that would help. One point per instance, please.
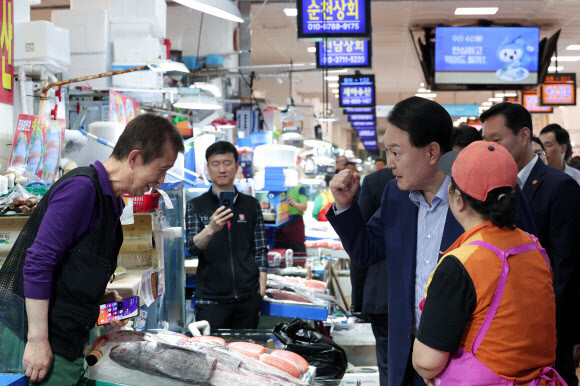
(362, 117)
(333, 18)
(356, 91)
(559, 90)
(486, 55)
(343, 53)
(531, 101)
(359, 110)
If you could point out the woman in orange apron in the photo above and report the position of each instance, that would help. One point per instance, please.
(489, 313)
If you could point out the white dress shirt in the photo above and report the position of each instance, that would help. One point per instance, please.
(525, 172)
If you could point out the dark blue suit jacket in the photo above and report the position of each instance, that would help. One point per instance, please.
(391, 234)
(554, 198)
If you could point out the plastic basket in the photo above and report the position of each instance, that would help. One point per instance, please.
(147, 203)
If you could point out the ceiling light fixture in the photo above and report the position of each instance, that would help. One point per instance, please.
(470, 11)
(332, 78)
(311, 49)
(198, 102)
(341, 71)
(333, 85)
(215, 90)
(224, 9)
(486, 104)
(427, 95)
(554, 69)
(506, 94)
(566, 58)
(573, 47)
(291, 12)
(168, 66)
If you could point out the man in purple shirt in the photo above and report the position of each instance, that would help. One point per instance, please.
(67, 251)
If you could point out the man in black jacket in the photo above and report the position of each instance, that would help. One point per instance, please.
(367, 282)
(231, 247)
(553, 199)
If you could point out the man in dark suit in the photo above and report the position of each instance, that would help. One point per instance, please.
(412, 225)
(553, 199)
(367, 282)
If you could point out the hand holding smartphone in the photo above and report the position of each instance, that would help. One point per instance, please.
(125, 309)
(227, 200)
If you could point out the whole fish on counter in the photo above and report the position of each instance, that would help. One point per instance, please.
(286, 295)
(165, 360)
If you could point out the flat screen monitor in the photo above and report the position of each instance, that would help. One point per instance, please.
(367, 133)
(487, 55)
(359, 110)
(343, 54)
(361, 117)
(559, 90)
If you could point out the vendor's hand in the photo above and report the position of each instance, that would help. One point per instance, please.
(219, 219)
(37, 359)
(291, 201)
(113, 296)
(343, 187)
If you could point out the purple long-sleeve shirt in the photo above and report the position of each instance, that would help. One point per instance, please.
(72, 215)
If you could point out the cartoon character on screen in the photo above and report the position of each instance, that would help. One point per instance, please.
(517, 56)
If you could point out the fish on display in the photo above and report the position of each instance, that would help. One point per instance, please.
(52, 153)
(285, 295)
(165, 360)
(19, 155)
(35, 153)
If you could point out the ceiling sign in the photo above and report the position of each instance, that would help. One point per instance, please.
(531, 101)
(356, 90)
(362, 117)
(343, 53)
(359, 110)
(559, 90)
(333, 19)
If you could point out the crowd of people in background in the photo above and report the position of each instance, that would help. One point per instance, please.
(415, 208)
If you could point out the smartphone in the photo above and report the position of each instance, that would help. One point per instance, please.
(227, 200)
(127, 308)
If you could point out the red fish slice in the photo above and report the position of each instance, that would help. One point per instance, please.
(246, 353)
(249, 347)
(209, 340)
(281, 364)
(294, 358)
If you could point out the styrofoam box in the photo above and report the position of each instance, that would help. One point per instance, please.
(153, 12)
(89, 29)
(139, 79)
(21, 11)
(90, 4)
(41, 43)
(136, 50)
(130, 30)
(89, 64)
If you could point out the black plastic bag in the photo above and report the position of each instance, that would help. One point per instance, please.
(318, 350)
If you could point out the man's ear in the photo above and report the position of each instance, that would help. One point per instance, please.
(133, 158)
(434, 152)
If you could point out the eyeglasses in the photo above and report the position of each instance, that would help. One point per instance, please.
(540, 152)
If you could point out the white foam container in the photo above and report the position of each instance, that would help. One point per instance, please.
(90, 4)
(136, 50)
(90, 64)
(275, 155)
(132, 30)
(21, 11)
(89, 29)
(152, 12)
(41, 43)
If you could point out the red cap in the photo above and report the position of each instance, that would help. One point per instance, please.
(480, 167)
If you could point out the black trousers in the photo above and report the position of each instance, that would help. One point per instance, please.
(565, 365)
(243, 314)
(379, 324)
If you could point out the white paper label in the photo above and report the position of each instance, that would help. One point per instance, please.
(127, 217)
(146, 288)
(141, 320)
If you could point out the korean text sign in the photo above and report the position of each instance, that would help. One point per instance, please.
(559, 90)
(356, 91)
(343, 53)
(7, 51)
(486, 55)
(333, 18)
(531, 101)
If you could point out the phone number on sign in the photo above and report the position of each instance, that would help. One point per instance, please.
(344, 26)
(344, 60)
